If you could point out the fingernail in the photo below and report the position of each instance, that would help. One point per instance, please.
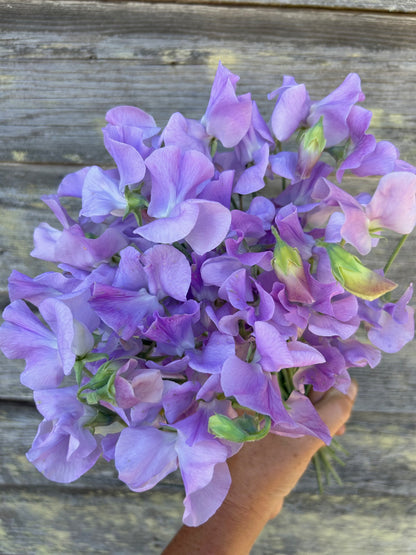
(352, 390)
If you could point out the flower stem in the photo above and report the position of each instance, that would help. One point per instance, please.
(395, 253)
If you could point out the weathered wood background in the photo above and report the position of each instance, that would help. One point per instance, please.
(63, 64)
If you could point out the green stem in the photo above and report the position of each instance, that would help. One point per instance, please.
(395, 253)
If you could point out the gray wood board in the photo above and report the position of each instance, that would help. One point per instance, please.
(62, 66)
(60, 73)
(378, 494)
(392, 6)
(374, 441)
(49, 522)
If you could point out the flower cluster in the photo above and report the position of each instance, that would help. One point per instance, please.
(191, 312)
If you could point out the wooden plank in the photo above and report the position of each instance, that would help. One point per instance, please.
(349, 525)
(62, 65)
(379, 492)
(58, 79)
(381, 460)
(43, 522)
(391, 6)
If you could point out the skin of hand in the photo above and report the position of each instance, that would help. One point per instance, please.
(263, 473)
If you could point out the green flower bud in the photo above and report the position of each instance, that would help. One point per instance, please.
(354, 276)
(288, 267)
(242, 428)
(310, 149)
(101, 386)
(135, 203)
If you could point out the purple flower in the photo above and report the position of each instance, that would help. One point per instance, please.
(189, 221)
(181, 298)
(393, 205)
(174, 334)
(102, 195)
(187, 134)
(72, 247)
(335, 109)
(291, 109)
(177, 178)
(331, 372)
(132, 127)
(135, 385)
(49, 353)
(360, 144)
(260, 392)
(390, 326)
(212, 356)
(144, 456)
(39, 288)
(276, 353)
(123, 311)
(63, 448)
(227, 116)
(129, 161)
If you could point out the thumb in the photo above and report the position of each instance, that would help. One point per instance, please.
(335, 408)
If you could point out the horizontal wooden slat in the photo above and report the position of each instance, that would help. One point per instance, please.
(45, 522)
(63, 64)
(98, 514)
(381, 460)
(60, 73)
(390, 6)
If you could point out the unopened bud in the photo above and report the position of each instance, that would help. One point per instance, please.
(288, 267)
(354, 277)
(310, 149)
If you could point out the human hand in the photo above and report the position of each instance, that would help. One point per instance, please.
(263, 473)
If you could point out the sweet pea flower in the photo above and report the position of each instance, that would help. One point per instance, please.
(49, 352)
(183, 295)
(187, 134)
(200, 456)
(335, 109)
(228, 116)
(390, 326)
(360, 145)
(393, 207)
(291, 109)
(177, 177)
(63, 449)
(311, 147)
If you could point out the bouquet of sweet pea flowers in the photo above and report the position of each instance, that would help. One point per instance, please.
(209, 282)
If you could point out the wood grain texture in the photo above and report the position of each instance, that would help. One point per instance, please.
(374, 441)
(378, 483)
(63, 64)
(55, 521)
(64, 72)
(392, 6)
